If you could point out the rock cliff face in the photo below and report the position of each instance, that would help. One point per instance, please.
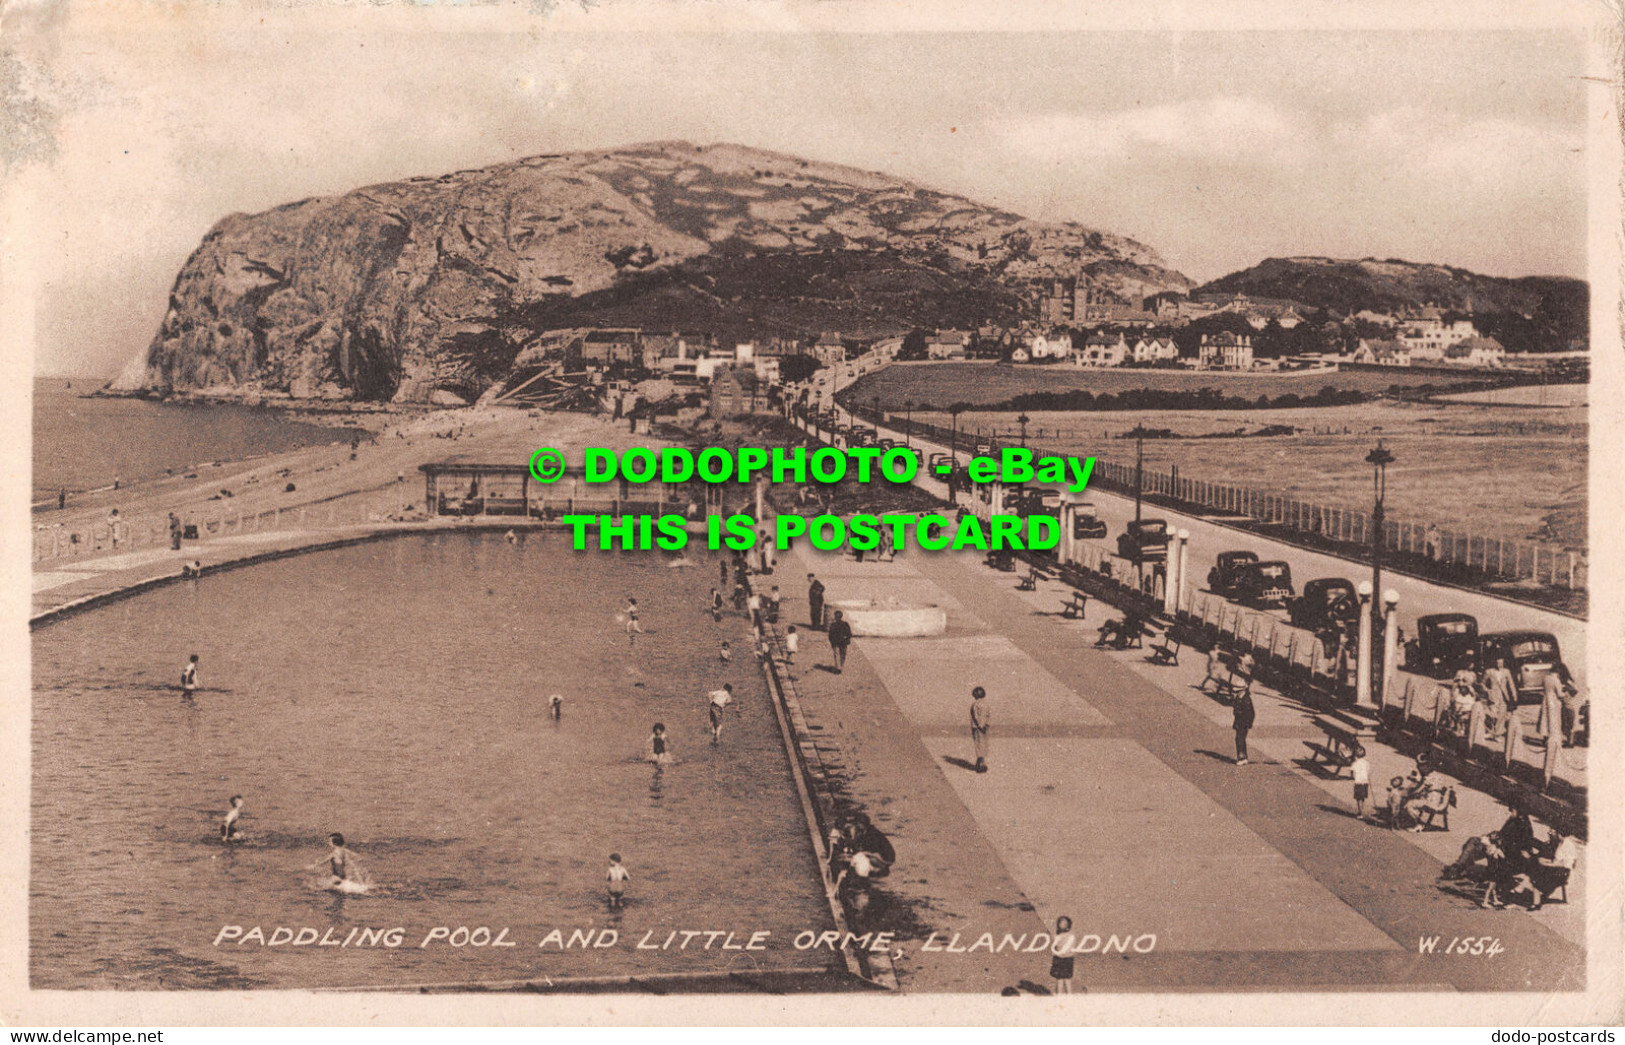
(426, 289)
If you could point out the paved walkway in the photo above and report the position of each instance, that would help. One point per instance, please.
(1112, 798)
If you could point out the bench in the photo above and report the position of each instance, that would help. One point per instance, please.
(1167, 652)
(1342, 738)
(1437, 809)
(1029, 582)
(1072, 609)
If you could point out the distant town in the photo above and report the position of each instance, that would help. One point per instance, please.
(1080, 325)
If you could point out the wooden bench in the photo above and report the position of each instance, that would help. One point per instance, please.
(1167, 652)
(1072, 609)
(1342, 738)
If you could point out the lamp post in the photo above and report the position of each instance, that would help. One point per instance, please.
(1379, 459)
(1022, 421)
(908, 423)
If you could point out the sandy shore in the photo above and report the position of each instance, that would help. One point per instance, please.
(388, 461)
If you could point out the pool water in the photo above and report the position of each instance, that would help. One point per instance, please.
(396, 692)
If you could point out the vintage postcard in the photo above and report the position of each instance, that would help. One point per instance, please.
(812, 513)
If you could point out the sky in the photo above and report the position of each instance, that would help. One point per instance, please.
(124, 140)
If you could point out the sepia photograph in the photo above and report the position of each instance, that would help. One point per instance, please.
(644, 513)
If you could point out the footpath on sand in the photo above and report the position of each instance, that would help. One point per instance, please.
(1113, 799)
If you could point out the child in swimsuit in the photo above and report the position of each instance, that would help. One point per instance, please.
(633, 628)
(618, 876)
(659, 746)
(338, 861)
(189, 677)
(229, 831)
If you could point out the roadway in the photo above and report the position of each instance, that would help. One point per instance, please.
(1209, 537)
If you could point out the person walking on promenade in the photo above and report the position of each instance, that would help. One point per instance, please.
(981, 719)
(1215, 669)
(1242, 721)
(792, 645)
(1550, 724)
(840, 637)
(1242, 677)
(1501, 693)
(815, 601)
(1360, 769)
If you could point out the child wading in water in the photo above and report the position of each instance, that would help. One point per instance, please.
(337, 860)
(633, 628)
(229, 831)
(659, 746)
(618, 876)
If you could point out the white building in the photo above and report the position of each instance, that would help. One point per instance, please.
(1226, 351)
(1383, 352)
(1050, 346)
(1155, 350)
(1102, 350)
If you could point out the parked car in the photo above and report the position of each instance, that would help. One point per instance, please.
(1530, 655)
(1145, 540)
(1444, 644)
(1086, 522)
(1226, 571)
(1327, 603)
(1264, 584)
(938, 461)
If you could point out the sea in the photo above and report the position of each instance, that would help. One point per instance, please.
(83, 443)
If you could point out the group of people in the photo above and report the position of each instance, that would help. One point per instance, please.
(1512, 862)
(1495, 695)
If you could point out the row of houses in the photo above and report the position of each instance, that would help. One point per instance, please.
(1473, 351)
(1221, 351)
(638, 348)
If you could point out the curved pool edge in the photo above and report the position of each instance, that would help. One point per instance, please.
(313, 542)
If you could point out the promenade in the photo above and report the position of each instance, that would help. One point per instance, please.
(1112, 799)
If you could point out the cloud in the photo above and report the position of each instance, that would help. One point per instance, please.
(1222, 129)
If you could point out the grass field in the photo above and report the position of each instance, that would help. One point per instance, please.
(1501, 471)
(941, 384)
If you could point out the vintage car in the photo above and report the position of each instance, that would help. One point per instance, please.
(938, 461)
(1144, 540)
(1444, 644)
(1221, 579)
(1086, 522)
(1530, 655)
(1327, 604)
(1264, 584)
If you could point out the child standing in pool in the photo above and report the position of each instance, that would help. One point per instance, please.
(633, 628)
(659, 746)
(337, 860)
(229, 831)
(189, 677)
(618, 876)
